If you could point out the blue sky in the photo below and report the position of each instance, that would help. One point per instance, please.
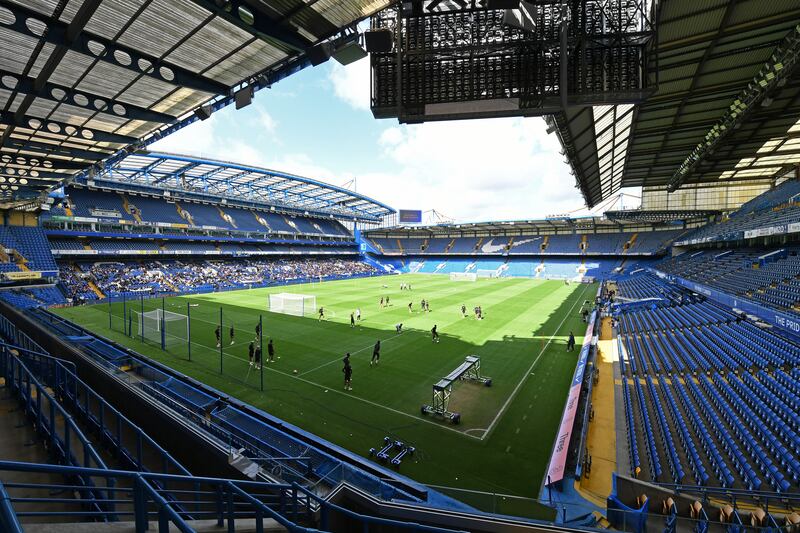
(317, 124)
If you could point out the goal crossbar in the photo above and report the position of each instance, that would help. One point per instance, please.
(292, 304)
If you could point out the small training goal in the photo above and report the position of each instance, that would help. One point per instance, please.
(481, 273)
(463, 276)
(292, 304)
(150, 325)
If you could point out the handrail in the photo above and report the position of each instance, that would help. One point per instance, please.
(270, 512)
(46, 468)
(67, 370)
(72, 394)
(145, 490)
(327, 506)
(8, 518)
(166, 513)
(69, 423)
(10, 346)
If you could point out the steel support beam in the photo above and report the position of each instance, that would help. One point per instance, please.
(36, 162)
(45, 150)
(68, 130)
(246, 16)
(84, 99)
(74, 38)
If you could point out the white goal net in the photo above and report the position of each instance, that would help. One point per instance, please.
(463, 276)
(150, 323)
(293, 304)
(487, 273)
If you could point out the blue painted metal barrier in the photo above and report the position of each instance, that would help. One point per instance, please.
(8, 519)
(141, 498)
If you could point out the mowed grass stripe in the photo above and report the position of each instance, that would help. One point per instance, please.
(521, 316)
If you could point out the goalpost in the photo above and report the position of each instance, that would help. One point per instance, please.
(292, 304)
(463, 276)
(481, 273)
(149, 325)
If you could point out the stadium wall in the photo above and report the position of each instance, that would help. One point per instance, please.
(556, 469)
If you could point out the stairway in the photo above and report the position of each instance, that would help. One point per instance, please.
(21, 262)
(400, 246)
(95, 289)
(449, 245)
(262, 221)
(126, 205)
(628, 245)
(478, 245)
(584, 243)
(184, 214)
(226, 217)
(86, 245)
(545, 242)
(20, 442)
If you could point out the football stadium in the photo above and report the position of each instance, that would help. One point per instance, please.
(195, 342)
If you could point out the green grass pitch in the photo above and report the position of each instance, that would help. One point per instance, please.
(506, 433)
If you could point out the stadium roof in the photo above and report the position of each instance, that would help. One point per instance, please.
(546, 225)
(82, 79)
(219, 179)
(726, 107)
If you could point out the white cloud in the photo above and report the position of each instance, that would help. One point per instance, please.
(351, 83)
(470, 170)
(266, 121)
(476, 169)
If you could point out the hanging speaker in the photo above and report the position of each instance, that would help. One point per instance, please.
(203, 112)
(243, 97)
(502, 4)
(378, 41)
(318, 54)
(349, 52)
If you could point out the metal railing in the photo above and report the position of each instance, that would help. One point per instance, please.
(53, 422)
(99, 415)
(141, 497)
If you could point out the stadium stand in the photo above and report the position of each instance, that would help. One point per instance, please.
(30, 247)
(132, 279)
(139, 210)
(769, 213)
(770, 276)
(732, 406)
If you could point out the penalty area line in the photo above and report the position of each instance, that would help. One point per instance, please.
(525, 376)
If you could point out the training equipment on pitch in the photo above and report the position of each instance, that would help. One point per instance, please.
(487, 273)
(469, 370)
(150, 323)
(383, 453)
(292, 304)
(389, 444)
(463, 276)
(406, 450)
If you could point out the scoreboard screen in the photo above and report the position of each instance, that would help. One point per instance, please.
(409, 216)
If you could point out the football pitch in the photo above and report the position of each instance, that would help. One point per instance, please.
(506, 433)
